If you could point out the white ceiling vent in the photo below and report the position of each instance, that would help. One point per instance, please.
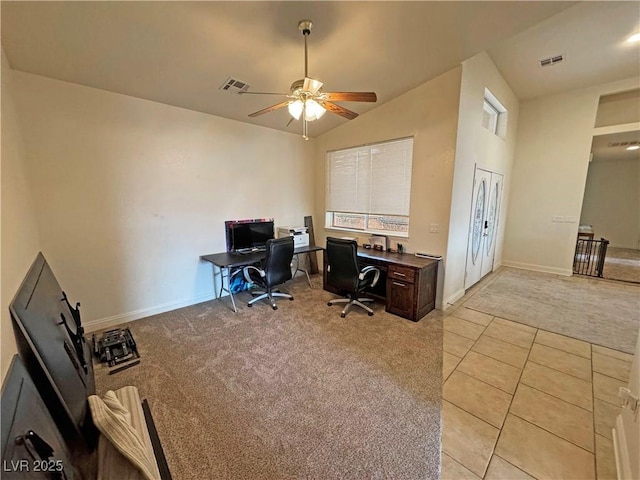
(547, 62)
(234, 85)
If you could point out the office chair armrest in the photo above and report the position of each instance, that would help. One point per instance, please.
(247, 277)
(366, 271)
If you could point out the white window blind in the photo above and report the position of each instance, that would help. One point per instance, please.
(372, 179)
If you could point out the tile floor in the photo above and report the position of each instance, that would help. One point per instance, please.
(523, 403)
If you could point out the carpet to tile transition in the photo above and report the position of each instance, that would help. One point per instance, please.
(293, 393)
(603, 313)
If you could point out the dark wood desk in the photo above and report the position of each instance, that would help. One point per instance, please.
(230, 264)
(407, 283)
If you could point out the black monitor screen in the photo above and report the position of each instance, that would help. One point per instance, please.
(245, 235)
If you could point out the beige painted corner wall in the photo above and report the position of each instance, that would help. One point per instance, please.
(429, 113)
(612, 201)
(549, 173)
(19, 238)
(477, 146)
(129, 193)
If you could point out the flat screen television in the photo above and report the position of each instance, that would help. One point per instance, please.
(51, 344)
(248, 235)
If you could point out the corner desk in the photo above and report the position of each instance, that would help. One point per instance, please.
(230, 264)
(407, 283)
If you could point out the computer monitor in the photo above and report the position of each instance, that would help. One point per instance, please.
(248, 235)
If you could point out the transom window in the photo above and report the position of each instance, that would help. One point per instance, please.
(368, 188)
(494, 115)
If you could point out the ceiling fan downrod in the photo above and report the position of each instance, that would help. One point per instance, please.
(305, 27)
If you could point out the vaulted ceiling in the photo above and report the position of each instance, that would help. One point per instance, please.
(180, 53)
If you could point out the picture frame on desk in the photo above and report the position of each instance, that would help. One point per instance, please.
(379, 242)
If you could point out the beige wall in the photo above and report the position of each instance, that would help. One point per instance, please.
(549, 173)
(612, 201)
(477, 146)
(129, 193)
(19, 238)
(429, 113)
(619, 108)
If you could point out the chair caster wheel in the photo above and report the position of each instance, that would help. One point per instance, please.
(343, 315)
(249, 305)
(291, 299)
(370, 314)
(329, 304)
(274, 307)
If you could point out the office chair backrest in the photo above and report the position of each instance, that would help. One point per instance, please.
(277, 263)
(342, 257)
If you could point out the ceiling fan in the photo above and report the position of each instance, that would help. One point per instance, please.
(306, 99)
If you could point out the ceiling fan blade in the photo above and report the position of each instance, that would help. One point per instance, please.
(270, 109)
(311, 85)
(351, 96)
(337, 109)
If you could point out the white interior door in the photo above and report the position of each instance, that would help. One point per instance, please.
(491, 223)
(481, 183)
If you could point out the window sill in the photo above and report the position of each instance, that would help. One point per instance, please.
(369, 232)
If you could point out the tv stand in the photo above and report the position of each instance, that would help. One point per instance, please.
(407, 283)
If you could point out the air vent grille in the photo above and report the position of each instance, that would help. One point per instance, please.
(234, 85)
(547, 62)
(623, 144)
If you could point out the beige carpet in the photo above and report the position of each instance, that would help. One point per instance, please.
(622, 264)
(293, 393)
(593, 310)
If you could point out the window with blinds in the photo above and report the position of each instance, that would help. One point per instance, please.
(368, 188)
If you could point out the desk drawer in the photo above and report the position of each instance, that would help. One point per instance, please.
(405, 274)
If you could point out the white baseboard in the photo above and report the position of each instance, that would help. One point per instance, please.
(454, 298)
(107, 322)
(538, 268)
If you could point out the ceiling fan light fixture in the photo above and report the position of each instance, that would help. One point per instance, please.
(313, 110)
(295, 109)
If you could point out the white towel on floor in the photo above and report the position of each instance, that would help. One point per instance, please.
(114, 422)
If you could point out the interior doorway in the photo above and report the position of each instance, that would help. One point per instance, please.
(485, 210)
(610, 206)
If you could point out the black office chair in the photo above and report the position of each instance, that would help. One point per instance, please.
(344, 274)
(276, 269)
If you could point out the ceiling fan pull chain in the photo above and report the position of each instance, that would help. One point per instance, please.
(304, 121)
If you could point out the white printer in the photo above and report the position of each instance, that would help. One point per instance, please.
(299, 234)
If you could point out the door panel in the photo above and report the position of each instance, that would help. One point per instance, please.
(491, 223)
(480, 199)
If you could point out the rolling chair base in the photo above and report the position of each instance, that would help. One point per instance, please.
(350, 302)
(262, 295)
